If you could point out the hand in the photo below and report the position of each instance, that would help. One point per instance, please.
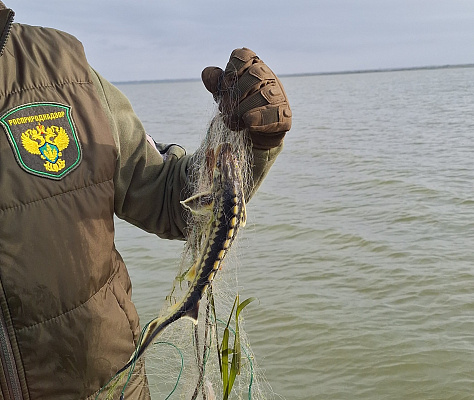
(250, 96)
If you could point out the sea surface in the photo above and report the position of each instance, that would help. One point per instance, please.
(359, 244)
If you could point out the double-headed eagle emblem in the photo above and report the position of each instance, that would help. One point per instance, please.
(43, 138)
(47, 143)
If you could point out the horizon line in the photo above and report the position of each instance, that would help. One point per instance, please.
(344, 72)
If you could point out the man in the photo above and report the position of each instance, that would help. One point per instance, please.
(72, 154)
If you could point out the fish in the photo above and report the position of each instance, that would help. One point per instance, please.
(225, 206)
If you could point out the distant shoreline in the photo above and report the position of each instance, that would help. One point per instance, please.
(348, 72)
(369, 71)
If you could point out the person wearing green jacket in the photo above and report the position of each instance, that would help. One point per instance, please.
(74, 154)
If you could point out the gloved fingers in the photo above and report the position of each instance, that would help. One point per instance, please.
(271, 94)
(257, 87)
(243, 72)
(267, 108)
(216, 80)
(254, 78)
(268, 119)
(264, 111)
(239, 61)
(211, 77)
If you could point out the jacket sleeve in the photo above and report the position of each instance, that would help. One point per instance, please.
(148, 186)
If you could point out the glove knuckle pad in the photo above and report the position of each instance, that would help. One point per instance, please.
(269, 119)
(273, 94)
(261, 71)
(243, 54)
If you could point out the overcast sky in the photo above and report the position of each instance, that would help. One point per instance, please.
(173, 39)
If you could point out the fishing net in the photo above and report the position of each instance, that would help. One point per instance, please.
(197, 349)
(189, 361)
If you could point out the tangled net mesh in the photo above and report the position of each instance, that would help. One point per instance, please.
(184, 362)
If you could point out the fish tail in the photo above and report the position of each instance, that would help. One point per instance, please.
(149, 333)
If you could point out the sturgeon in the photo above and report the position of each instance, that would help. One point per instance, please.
(225, 205)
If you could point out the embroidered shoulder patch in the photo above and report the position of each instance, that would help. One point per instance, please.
(43, 138)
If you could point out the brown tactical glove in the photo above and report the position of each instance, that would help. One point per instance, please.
(250, 96)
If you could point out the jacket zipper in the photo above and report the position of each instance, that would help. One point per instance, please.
(8, 364)
(6, 21)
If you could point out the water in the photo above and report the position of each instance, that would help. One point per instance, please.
(359, 243)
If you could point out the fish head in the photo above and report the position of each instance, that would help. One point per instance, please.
(225, 164)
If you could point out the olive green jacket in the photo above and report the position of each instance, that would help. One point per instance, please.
(73, 153)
